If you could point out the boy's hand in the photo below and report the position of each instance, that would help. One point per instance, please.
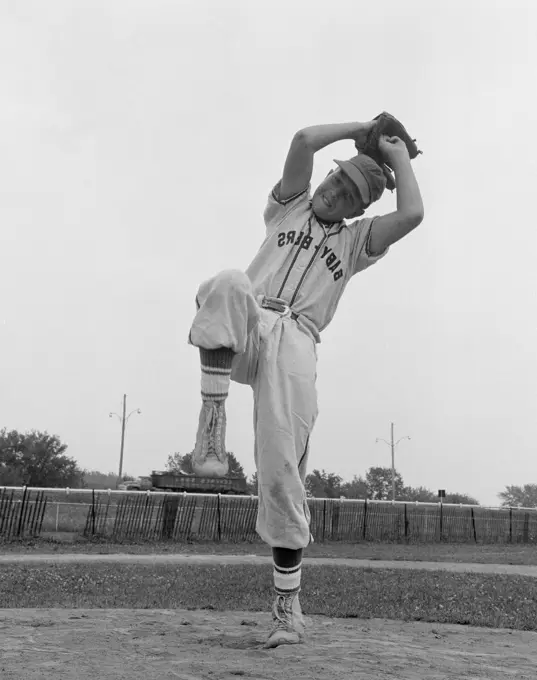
(393, 150)
(386, 139)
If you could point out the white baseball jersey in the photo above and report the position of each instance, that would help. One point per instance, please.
(306, 262)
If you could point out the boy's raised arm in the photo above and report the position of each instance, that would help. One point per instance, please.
(306, 142)
(392, 227)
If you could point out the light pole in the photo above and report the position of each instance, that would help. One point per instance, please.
(123, 420)
(392, 445)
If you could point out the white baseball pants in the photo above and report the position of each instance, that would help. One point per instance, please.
(278, 359)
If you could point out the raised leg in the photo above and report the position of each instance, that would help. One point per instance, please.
(226, 314)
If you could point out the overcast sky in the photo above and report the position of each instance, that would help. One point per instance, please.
(139, 141)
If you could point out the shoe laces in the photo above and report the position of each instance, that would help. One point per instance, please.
(213, 425)
(283, 611)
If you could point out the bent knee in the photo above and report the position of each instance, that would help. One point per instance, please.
(232, 279)
(228, 283)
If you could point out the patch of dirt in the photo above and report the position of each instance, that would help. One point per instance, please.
(45, 644)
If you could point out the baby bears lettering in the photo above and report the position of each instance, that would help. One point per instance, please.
(288, 238)
(332, 262)
(304, 242)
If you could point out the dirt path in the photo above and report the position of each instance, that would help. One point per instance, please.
(29, 558)
(45, 644)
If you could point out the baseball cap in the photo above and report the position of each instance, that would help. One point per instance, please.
(366, 175)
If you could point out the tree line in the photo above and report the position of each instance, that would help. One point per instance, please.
(376, 485)
(39, 459)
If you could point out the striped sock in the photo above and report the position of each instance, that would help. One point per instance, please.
(215, 373)
(287, 570)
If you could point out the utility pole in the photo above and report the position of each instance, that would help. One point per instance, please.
(393, 463)
(123, 437)
(392, 445)
(123, 421)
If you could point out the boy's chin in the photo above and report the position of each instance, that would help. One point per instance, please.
(323, 217)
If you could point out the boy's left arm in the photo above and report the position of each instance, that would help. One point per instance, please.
(392, 227)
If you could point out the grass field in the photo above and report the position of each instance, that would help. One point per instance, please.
(441, 597)
(436, 552)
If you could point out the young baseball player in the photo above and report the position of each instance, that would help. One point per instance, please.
(261, 327)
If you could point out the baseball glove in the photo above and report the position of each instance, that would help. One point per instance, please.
(390, 126)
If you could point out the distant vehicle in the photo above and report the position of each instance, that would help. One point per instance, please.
(180, 481)
(138, 484)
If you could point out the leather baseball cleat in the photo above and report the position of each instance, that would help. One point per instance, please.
(209, 458)
(288, 621)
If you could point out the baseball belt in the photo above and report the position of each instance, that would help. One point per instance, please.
(279, 306)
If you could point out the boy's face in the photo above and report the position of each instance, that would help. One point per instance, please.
(336, 197)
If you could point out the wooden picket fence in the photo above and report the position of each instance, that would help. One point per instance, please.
(21, 517)
(233, 518)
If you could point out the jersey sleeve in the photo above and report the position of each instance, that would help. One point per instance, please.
(360, 256)
(276, 210)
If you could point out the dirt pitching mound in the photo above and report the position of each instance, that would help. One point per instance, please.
(47, 644)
